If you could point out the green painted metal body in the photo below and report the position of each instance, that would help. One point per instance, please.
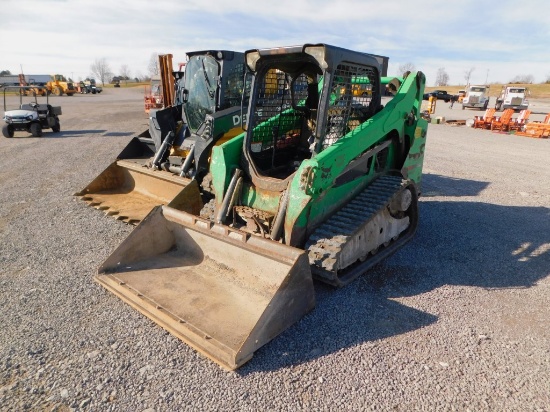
(319, 187)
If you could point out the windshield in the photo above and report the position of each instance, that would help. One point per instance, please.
(201, 81)
(477, 89)
(517, 90)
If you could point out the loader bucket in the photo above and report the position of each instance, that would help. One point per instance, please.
(128, 190)
(222, 291)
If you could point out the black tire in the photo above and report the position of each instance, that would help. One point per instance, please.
(36, 130)
(56, 128)
(463, 107)
(8, 130)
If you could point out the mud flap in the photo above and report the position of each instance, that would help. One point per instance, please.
(222, 291)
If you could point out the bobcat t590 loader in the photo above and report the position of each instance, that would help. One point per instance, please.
(202, 109)
(324, 183)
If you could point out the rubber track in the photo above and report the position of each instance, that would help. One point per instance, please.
(327, 240)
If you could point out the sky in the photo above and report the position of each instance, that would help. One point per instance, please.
(494, 40)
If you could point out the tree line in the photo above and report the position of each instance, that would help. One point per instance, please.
(442, 77)
(101, 70)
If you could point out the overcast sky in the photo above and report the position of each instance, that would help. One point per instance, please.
(499, 39)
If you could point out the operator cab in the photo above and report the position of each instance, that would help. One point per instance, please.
(291, 94)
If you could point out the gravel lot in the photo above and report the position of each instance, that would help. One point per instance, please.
(459, 319)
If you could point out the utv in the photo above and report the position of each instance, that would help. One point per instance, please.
(30, 117)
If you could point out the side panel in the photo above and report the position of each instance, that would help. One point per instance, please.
(316, 178)
(225, 159)
(412, 169)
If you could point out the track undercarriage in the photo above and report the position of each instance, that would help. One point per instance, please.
(367, 230)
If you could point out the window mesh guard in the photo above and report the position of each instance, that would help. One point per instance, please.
(283, 132)
(350, 102)
(235, 83)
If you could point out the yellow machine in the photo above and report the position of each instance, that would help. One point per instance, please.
(30, 88)
(432, 103)
(59, 85)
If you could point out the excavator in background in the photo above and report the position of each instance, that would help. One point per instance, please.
(202, 108)
(323, 183)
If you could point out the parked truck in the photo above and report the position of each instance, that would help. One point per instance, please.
(439, 94)
(513, 97)
(477, 97)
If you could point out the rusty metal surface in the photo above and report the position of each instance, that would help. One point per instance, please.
(128, 191)
(223, 292)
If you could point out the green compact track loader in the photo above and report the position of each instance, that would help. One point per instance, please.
(323, 184)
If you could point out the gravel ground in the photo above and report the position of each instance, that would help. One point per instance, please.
(456, 320)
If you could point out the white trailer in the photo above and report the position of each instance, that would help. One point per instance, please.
(31, 79)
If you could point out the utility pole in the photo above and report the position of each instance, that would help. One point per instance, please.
(487, 76)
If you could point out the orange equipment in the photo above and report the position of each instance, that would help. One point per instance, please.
(485, 121)
(502, 123)
(520, 121)
(432, 104)
(161, 90)
(536, 129)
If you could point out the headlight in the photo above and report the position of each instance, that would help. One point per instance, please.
(30, 117)
(7, 118)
